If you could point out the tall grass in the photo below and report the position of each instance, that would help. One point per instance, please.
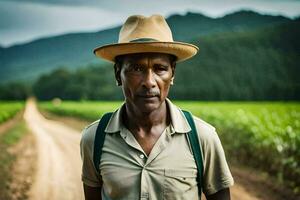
(8, 109)
(88, 110)
(7, 158)
(261, 135)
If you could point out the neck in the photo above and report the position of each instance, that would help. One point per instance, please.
(145, 120)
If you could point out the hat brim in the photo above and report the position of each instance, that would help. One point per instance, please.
(182, 51)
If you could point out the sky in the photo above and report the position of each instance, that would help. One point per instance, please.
(22, 21)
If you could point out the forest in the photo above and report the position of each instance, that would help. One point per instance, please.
(255, 65)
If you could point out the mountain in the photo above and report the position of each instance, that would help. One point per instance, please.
(261, 64)
(193, 25)
(27, 61)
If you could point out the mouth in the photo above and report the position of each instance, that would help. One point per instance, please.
(148, 96)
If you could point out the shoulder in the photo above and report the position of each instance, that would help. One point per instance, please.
(203, 126)
(207, 134)
(204, 129)
(88, 133)
(92, 127)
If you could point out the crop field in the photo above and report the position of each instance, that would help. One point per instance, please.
(264, 135)
(9, 109)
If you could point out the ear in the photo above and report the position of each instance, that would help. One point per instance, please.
(173, 72)
(172, 80)
(117, 68)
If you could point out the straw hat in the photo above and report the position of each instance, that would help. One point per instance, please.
(141, 34)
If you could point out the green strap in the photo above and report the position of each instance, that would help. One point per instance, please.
(99, 139)
(196, 148)
(192, 136)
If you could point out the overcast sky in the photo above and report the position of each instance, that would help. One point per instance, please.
(26, 20)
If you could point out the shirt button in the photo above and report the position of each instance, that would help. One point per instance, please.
(142, 156)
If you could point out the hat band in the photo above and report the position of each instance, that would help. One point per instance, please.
(144, 40)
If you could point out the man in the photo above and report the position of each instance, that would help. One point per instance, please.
(146, 153)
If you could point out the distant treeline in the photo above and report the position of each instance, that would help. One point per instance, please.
(255, 65)
(92, 83)
(14, 91)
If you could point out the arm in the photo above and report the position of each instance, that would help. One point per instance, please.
(217, 177)
(92, 193)
(220, 195)
(92, 182)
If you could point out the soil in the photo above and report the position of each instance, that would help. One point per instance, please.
(25, 164)
(58, 174)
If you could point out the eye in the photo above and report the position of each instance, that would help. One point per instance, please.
(136, 68)
(161, 68)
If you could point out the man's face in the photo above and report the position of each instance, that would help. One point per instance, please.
(146, 80)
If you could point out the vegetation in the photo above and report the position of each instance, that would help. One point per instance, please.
(262, 135)
(14, 91)
(28, 61)
(7, 140)
(9, 109)
(87, 110)
(87, 83)
(254, 65)
(243, 56)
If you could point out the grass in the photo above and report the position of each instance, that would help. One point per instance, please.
(7, 140)
(263, 135)
(87, 110)
(8, 109)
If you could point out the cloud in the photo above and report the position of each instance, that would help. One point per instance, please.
(24, 20)
(27, 21)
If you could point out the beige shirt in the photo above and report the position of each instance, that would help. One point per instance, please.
(169, 172)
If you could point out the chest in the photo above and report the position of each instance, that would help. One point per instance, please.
(147, 142)
(127, 172)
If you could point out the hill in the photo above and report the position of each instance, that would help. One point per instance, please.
(261, 64)
(27, 61)
(252, 65)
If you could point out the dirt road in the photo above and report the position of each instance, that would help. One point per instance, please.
(59, 163)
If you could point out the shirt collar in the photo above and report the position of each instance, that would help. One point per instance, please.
(179, 124)
(115, 123)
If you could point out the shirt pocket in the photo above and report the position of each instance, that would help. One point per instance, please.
(180, 184)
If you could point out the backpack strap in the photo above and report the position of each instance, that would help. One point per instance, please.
(192, 136)
(196, 149)
(99, 139)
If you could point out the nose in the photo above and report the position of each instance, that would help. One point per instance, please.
(149, 79)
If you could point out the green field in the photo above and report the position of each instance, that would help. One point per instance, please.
(264, 135)
(9, 109)
(8, 139)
